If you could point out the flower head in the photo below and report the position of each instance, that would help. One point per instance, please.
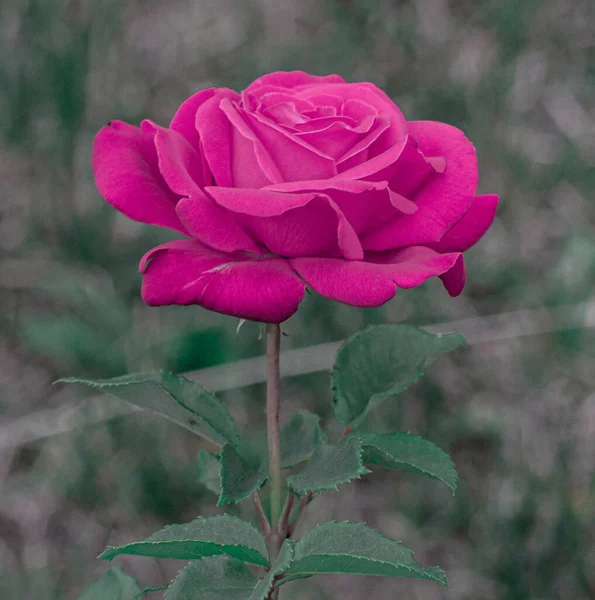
(298, 180)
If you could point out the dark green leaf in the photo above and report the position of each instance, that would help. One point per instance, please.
(279, 566)
(115, 585)
(299, 437)
(409, 453)
(356, 549)
(208, 471)
(241, 474)
(176, 398)
(218, 578)
(379, 362)
(330, 465)
(208, 536)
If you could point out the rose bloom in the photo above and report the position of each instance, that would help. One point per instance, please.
(299, 180)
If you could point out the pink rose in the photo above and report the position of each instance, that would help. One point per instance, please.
(299, 180)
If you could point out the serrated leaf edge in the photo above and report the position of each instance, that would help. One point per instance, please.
(421, 569)
(323, 437)
(223, 501)
(416, 467)
(107, 555)
(383, 395)
(362, 470)
(106, 383)
(189, 565)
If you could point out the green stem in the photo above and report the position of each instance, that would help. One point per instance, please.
(273, 344)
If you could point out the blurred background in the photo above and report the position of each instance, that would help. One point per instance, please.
(516, 409)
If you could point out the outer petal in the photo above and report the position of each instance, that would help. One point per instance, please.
(454, 280)
(411, 170)
(214, 226)
(184, 122)
(186, 272)
(179, 163)
(308, 224)
(374, 281)
(471, 228)
(127, 175)
(443, 199)
(214, 131)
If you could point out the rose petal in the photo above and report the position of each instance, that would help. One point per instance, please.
(215, 134)
(359, 153)
(296, 160)
(251, 163)
(285, 113)
(186, 272)
(362, 112)
(335, 140)
(214, 226)
(308, 224)
(454, 279)
(127, 175)
(408, 173)
(275, 98)
(374, 281)
(321, 123)
(471, 228)
(443, 199)
(292, 79)
(184, 122)
(326, 99)
(179, 163)
(387, 109)
(366, 204)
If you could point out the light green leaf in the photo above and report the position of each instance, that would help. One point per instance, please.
(115, 585)
(356, 549)
(410, 453)
(299, 437)
(279, 566)
(379, 362)
(205, 536)
(218, 578)
(330, 465)
(176, 398)
(208, 471)
(241, 473)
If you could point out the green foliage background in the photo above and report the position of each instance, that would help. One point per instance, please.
(516, 410)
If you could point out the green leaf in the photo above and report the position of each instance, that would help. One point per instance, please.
(330, 465)
(154, 588)
(242, 473)
(279, 566)
(213, 579)
(208, 471)
(356, 549)
(299, 437)
(116, 584)
(379, 362)
(410, 453)
(176, 398)
(208, 536)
